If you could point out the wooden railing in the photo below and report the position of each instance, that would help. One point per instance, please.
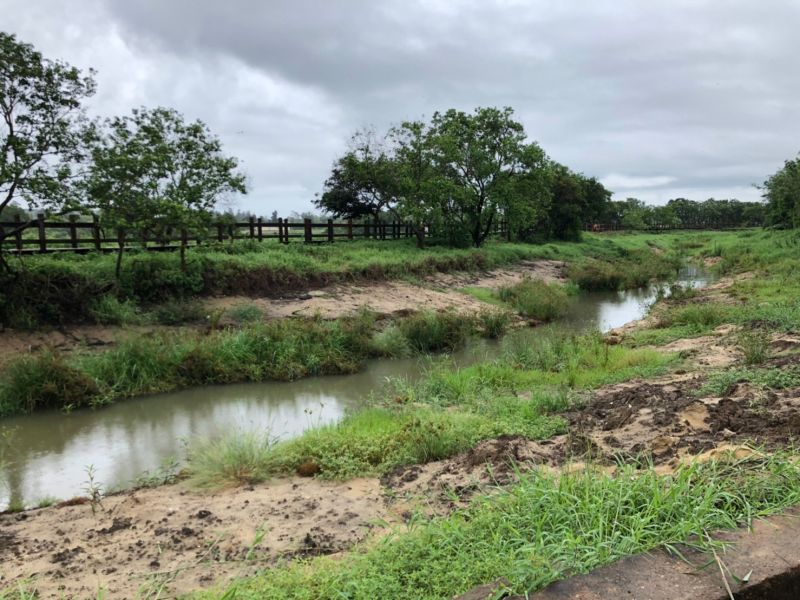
(42, 236)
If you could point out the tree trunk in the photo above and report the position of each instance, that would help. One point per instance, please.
(183, 256)
(121, 244)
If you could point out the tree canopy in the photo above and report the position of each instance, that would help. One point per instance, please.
(462, 173)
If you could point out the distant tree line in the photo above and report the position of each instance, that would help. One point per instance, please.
(459, 174)
(681, 213)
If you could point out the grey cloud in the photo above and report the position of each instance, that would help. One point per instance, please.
(696, 95)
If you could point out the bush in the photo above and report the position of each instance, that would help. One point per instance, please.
(535, 299)
(177, 312)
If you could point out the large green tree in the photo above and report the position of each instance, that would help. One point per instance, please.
(152, 170)
(43, 128)
(782, 192)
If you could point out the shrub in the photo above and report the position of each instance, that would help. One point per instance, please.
(177, 312)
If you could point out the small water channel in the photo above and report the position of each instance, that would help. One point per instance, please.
(121, 441)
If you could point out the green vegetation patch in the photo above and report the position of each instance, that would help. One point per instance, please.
(545, 528)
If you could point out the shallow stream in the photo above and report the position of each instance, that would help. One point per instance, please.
(51, 450)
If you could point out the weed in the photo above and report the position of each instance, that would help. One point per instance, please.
(390, 342)
(93, 490)
(44, 380)
(754, 345)
(46, 502)
(430, 331)
(236, 458)
(15, 506)
(178, 311)
(493, 323)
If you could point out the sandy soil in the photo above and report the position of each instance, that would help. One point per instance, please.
(436, 292)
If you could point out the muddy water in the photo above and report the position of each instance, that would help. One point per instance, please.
(52, 450)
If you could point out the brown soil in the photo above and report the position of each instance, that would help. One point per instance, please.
(174, 537)
(435, 292)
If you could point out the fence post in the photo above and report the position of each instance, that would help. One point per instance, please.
(349, 229)
(42, 237)
(260, 229)
(96, 232)
(220, 232)
(366, 229)
(383, 230)
(280, 230)
(330, 230)
(73, 231)
(252, 227)
(18, 235)
(307, 230)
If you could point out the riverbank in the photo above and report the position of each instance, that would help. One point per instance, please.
(711, 374)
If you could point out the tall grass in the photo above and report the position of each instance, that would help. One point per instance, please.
(275, 350)
(240, 457)
(536, 299)
(545, 528)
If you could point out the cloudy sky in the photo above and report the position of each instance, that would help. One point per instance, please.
(659, 99)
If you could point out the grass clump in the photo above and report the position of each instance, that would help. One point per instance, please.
(493, 324)
(545, 528)
(43, 381)
(535, 299)
(178, 312)
(239, 458)
(390, 342)
(245, 313)
(436, 331)
(109, 310)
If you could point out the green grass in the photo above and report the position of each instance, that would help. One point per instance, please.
(449, 410)
(721, 383)
(241, 457)
(274, 350)
(535, 299)
(545, 528)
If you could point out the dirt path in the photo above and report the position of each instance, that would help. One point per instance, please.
(436, 292)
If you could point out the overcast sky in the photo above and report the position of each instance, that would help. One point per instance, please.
(657, 98)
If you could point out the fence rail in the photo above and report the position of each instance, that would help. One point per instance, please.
(31, 237)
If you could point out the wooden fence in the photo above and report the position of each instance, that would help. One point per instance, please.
(42, 236)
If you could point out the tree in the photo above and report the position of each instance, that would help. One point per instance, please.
(478, 154)
(43, 128)
(152, 171)
(782, 193)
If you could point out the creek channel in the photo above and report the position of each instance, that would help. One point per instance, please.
(52, 450)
